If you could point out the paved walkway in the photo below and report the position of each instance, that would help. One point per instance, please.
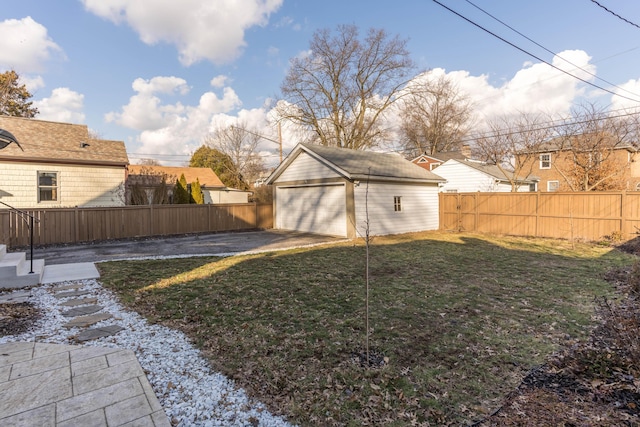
(70, 385)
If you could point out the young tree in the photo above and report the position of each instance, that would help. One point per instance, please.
(181, 194)
(221, 164)
(435, 115)
(14, 97)
(196, 192)
(341, 90)
(239, 143)
(513, 144)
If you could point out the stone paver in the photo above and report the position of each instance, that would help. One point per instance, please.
(95, 333)
(63, 386)
(86, 321)
(15, 297)
(61, 295)
(66, 288)
(82, 311)
(79, 301)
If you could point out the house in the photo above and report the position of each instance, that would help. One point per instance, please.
(60, 165)
(464, 176)
(148, 180)
(337, 191)
(554, 163)
(432, 161)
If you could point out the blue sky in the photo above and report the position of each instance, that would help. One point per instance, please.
(159, 74)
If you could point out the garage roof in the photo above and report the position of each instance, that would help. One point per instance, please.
(360, 165)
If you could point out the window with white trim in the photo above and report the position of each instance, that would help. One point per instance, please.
(47, 187)
(545, 161)
(553, 186)
(397, 203)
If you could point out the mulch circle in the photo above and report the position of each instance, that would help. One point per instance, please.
(16, 318)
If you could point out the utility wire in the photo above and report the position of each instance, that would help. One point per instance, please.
(548, 50)
(615, 14)
(531, 54)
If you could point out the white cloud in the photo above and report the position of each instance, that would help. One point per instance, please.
(219, 81)
(25, 45)
(171, 128)
(64, 105)
(212, 30)
(630, 89)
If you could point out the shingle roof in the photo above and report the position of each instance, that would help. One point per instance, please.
(206, 176)
(54, 142)
(357, 164)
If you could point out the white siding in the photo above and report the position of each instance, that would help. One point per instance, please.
(77, 185)
(306, 167)
(419, 208)
(463, 179)
(317, 209)
(220, 196)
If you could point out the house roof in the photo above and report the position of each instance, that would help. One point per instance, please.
(441, 157)
(491, 170)
(54, 142)
(206, 176)
(565, 144)
(357, 164)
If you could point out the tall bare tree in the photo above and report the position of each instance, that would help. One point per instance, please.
(512, 143)
(240, 143)
(435, 115)
(593, 149)
(14, 97)
(341, 90)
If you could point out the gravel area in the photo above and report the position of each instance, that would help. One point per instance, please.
(189, 391)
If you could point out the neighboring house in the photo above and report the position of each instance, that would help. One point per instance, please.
(60, 165)
(551, 159)
(465, 176)
(150, 178)
(337, 191)
(432, 161)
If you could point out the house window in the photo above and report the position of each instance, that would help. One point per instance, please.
(432, 166)
(397, 203)
(545, 161)
(553, 186)
(423, 160)
(533, 187)
(47, 186)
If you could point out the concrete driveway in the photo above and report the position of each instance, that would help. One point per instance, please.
(202, 244)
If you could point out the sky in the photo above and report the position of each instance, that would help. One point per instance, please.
(162, 74)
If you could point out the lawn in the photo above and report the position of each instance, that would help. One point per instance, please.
(459, 319)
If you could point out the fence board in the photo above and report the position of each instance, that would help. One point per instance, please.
(580, 215)
(76, 225)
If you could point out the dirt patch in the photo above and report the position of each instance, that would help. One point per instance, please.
(16, 318)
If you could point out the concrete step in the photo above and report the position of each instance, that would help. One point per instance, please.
(11, 263)
(23, 278)
(3, 251)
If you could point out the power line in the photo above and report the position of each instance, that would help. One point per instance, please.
(548, 50)
(531, 54)
(615, 14)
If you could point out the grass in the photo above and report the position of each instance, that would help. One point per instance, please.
(460, 319)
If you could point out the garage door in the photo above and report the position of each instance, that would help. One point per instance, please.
(315, 209)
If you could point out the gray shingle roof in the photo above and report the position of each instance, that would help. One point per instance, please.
(491, 170)
(357, 164)
(46, 141)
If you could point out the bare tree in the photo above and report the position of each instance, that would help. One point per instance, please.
(513, 144)
(341, 90)
(435, 115)
(240, 143)
(593, 149)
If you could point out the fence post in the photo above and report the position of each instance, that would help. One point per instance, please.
(623, 214)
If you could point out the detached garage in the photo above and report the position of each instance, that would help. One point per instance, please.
(327, 190)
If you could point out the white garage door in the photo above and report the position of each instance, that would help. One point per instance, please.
(316, 209)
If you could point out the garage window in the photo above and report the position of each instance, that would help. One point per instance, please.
(397, 203)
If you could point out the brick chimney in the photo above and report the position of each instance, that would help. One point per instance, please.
(466, 151)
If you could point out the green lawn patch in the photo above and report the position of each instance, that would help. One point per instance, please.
(460, 319)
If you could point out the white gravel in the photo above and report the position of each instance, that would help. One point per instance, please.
(189, 391)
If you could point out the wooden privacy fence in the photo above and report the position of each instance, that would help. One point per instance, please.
(76, 225)
(580, 215)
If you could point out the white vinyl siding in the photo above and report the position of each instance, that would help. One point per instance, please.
(419, 208)
(462, 178)
(77, 185)
(305, 167)
(317, 209)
